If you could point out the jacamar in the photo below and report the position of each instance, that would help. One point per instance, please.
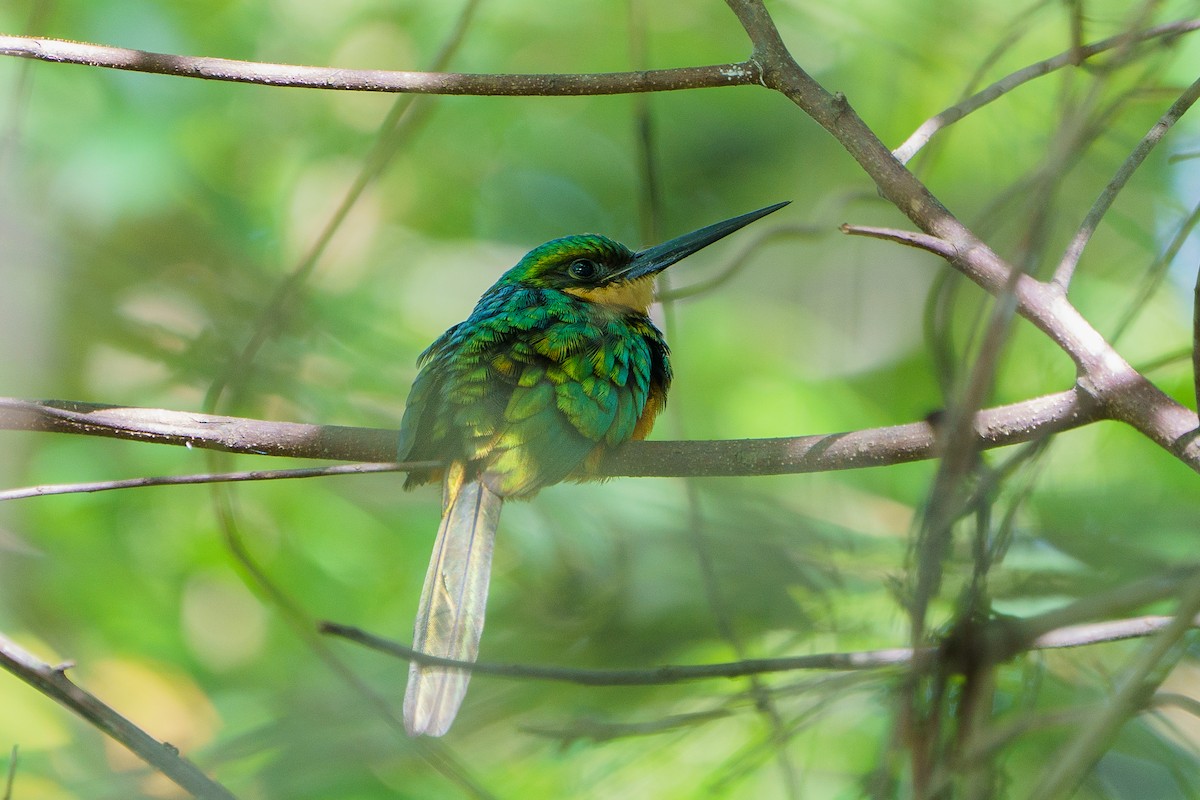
(558, 364)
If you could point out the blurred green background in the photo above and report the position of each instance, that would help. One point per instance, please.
(145, 222)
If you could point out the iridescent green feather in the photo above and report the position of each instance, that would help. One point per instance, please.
(536, 371)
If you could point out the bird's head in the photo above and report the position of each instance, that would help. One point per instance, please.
(597, 269)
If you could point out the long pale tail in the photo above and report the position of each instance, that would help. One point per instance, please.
(450, 616)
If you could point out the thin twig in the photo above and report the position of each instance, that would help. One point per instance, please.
(1102, 373)
(920, 241)
(926, 131)
(10, 773)
(401, 120)
(1189, 704)
(1067, 637)
(1075, 16)
(369, 80)
(1098, 606)
(1070, 259)
(293, 612)
(162, 756)
(1154, 274)
(211, 477)
(1196, 340)
(1133, 691)
(1103, 632)
(867, 659)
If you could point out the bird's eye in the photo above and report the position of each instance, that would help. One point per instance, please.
(583, 269)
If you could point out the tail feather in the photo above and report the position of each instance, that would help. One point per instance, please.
(450, 616)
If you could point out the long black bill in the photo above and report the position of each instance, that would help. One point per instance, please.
(657, 258)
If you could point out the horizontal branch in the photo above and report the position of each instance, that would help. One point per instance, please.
(1067, 637)
(209, 477)
(60, 51)
(996, 427)
(54, 683)
(206, 431)
(652, 676)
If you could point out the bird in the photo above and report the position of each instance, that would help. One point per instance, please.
(558, 364)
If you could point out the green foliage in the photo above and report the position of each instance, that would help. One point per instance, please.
(145, 222)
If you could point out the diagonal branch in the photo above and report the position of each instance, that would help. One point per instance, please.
(1070, 259)
(54, 683)
(402, 119)
(1102, 372)
(1142, 676)
(369, 80)
(1072, 57)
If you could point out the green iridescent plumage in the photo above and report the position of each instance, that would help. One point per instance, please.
(558, 363)
(536, 378)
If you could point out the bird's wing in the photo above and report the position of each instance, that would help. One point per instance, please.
(529, 387)
(423, 429)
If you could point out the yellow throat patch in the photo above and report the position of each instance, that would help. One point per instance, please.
(636, 294)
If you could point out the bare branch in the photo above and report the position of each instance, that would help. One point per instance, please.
(1103, 374)
(921, 241)
(1189, 704)
(1097, 606)
(1075, 15)
(401, 120)
(1154, 274)
(1099, 632)
(996, 427)
(1145, 672)
(1196, 340)
(1067, 637)
(11, 773)
(162, 756)
(866, 659)
(1108, 387)
(1070, 259)
(207, 431)
(362, 80)
(211, 477)
(921, 136)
